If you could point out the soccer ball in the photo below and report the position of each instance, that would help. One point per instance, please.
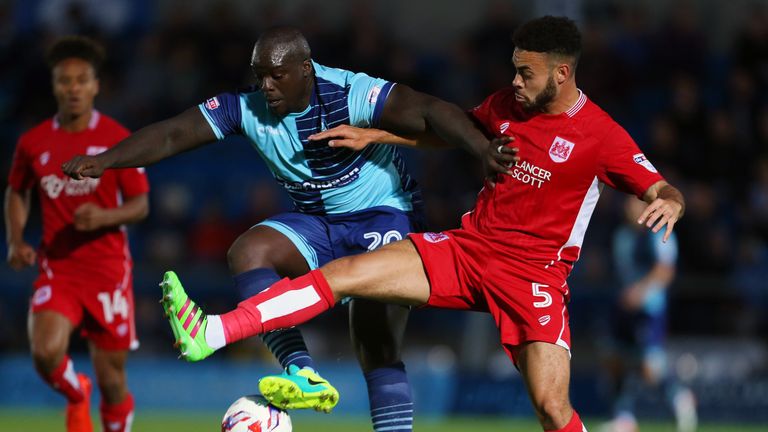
(254, 414)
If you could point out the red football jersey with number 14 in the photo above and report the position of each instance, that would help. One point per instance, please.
(537, 216)
(37, 163)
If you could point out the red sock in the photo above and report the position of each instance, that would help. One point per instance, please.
(285, 304)
(575, 425)
(64, 380)
(117, 417)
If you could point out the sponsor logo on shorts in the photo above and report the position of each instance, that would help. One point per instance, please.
(435, 237)
(42, 295)
(44, 158)
(560, 150)
(640, 159)
(544, 320)
(212, 103)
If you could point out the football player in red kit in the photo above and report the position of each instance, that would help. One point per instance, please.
(515, 249)
(84, 263)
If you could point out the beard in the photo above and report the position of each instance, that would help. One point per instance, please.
(543, 99)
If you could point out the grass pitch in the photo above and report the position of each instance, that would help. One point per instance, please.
(47, 420)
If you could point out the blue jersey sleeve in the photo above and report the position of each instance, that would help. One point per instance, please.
(367, 96)
(224, 114)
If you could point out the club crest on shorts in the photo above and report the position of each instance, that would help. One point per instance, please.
(560, 150)
(435, 237)
(544, 320)
(42, 295)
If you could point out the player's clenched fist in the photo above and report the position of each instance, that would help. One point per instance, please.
(21, 255)
(89, 217)
(500, 157)
(82, 166)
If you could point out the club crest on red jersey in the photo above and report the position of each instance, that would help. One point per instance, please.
(212, 103)
(560, 150)
(503, 127)
(44, 158)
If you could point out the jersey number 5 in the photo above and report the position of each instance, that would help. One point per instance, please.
(546, 298)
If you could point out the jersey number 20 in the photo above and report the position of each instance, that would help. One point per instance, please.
(378, 239)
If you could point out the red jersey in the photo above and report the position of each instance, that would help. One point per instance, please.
(37, 163)
(537, 216)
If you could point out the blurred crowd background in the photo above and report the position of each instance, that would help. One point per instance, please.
(687, 79)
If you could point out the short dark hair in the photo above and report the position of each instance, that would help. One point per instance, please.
(549, 34)
(284, 36)
(78, 47)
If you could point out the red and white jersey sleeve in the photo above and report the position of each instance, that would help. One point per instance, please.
(623, 166)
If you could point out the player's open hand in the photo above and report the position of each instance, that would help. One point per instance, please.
(21, 255)
(500, 157)
(82, 166)
(89, 217)
(347, 136)
(660, 213)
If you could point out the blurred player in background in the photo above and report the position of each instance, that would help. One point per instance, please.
(515, 249)
(346, 202)
(85, 266)
(645, 264)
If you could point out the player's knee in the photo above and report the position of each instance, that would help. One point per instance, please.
(553, 410)
(47, 354)
(245, 254)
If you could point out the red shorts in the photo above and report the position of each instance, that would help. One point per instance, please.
(101, 303)
(464, 273)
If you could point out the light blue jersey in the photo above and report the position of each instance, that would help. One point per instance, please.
(635, 252)
(321, 179)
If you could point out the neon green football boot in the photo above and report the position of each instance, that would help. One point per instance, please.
(187, 320)
(299, 389)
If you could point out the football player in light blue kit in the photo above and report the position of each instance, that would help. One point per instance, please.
(346, 202)
(646, 267)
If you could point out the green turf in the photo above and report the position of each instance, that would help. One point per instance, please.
(27, 420)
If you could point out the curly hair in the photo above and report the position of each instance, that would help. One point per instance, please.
(549, 34)
(78, 47)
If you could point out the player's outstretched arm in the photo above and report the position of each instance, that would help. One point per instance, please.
(665, 207)
(498, 156)
(357, 139)
(408, 112)
(147, 146)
